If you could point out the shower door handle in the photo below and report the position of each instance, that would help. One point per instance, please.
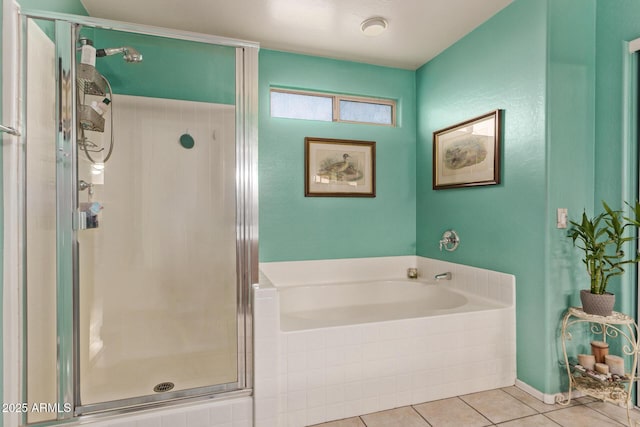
(9, 130)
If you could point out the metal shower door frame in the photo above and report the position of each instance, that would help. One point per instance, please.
(67, 288)
(631, 137)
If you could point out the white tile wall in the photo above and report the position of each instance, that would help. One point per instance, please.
(266, 344)
(332, 373)
(237, 412)
(41, 220)
(478, 281)
(337, 270)
(484, 283)
(156, 197)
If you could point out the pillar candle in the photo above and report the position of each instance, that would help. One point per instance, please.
(601, 368)
(599, 350)
(615, 363)
(588, 361)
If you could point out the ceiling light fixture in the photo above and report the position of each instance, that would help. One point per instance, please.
(374, 26)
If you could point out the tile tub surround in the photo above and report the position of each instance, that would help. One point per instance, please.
(311, 376)
(231, 412)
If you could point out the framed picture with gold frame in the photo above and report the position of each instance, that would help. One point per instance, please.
(468, 154)
(339, 168)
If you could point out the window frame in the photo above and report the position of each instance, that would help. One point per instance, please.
(336, 98)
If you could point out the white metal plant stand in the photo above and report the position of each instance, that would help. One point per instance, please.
(616, 326)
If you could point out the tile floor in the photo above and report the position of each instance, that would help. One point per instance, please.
(507, 407)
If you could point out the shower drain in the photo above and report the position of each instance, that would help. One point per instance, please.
(162, 387)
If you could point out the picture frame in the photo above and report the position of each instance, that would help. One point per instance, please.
(467, 154)
(339, 168)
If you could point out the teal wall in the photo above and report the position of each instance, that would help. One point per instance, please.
(570, 145)
(617, 24)
(523, 60)
(294, 227)
(173, 69)
(502, 64)
(546, 63)
(63, 6)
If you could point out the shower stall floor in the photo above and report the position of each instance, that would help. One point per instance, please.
(135, 378)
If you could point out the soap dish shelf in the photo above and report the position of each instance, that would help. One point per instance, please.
(90, 81)
(89, 119)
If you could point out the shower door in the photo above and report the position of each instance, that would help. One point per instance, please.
(139, 218)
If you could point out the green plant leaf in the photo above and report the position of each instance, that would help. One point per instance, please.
(602, 238)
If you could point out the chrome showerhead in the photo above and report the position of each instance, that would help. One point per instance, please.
(130, 54)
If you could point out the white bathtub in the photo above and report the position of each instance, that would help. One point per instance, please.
(341, 338)
(340, 304)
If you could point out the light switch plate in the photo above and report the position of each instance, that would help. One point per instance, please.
(562, 218)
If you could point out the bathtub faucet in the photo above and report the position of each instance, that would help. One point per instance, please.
(443, 276)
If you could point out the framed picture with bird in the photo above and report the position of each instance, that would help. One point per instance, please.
(339, 168)
(468, 154)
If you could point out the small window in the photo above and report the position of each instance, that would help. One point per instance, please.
(301, 106)
(366, 112)
(328, 107)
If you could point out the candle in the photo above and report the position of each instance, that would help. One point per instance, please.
(588, 361)
(599, 349)
(615, 363)
(601, 368)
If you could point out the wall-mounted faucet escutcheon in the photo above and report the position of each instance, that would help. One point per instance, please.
(449, 241)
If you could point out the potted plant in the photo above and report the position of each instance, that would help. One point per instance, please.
(602, 239)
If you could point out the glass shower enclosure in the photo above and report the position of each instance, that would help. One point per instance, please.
(139, 203)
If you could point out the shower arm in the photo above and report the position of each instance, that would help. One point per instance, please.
(110, 51)
(130, 54)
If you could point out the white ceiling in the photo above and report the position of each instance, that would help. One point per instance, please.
(418, 29)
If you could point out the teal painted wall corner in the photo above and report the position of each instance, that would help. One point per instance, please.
(570, 145)
(548, 91)
(617, 23)
(501, 227)
(295, 227)
(73, 7)
(615, 139)
(554, 154)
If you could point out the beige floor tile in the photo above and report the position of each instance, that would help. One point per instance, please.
(348, 422)
(581, 416)
(615, 412)
(535, 403)
(498, 406)
(532, 421)
(507, 407)
(451, 413)
(405, 417)
(586, 399)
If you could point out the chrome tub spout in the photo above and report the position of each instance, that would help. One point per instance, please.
(443, 276)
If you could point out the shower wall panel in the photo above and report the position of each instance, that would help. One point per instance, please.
(41, 221)
(158, 276)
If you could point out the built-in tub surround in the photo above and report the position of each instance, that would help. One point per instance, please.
(229, 412)
(322, 354)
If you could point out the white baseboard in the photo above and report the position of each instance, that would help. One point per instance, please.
(549, 399)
